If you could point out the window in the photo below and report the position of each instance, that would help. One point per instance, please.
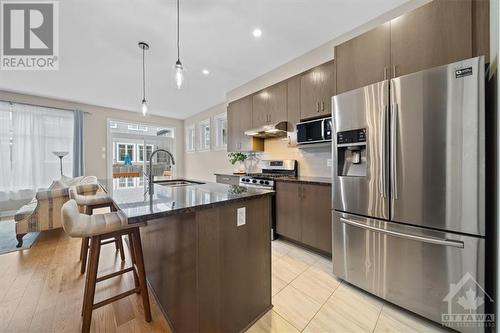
(190, 138)
(29, 136)
(125, 149)
(220, 121)
(140, 152)
(204, 134)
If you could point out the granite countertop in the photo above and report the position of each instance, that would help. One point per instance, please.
(128, 196)
(308, 180)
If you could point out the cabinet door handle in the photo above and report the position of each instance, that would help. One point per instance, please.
(317, 107)
(385, 73)
(322, 106)
(394, 71)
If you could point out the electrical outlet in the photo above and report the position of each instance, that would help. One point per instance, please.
(241, 217)
(329, 162)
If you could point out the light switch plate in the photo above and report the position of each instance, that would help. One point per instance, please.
(241, 217)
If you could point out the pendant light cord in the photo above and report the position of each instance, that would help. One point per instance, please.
(178, 47)
(143, 75)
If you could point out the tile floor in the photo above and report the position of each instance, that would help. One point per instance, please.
(308, 297)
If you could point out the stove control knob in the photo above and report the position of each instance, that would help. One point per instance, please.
(266, 182)
(261, 182)
(254, 181)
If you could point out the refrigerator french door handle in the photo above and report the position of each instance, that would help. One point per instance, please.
(383, 152)
(393, 151)
(431, 240)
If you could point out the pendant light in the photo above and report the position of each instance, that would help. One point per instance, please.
(178, 69)
(144, 106)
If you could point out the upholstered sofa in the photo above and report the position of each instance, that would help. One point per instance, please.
(44, 211)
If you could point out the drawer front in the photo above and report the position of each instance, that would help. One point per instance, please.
(227, 179)
(409, 266)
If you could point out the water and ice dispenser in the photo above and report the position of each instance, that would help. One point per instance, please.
(351, 153)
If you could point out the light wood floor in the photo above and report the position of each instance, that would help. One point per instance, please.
(41, 290)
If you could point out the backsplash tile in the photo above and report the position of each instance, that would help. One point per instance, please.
(313, 162)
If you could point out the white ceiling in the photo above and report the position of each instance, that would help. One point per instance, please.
(100, 62)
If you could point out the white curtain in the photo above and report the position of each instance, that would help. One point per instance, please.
(36, 133)
(5, 156)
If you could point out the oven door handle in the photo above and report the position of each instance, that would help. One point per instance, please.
(432, 240)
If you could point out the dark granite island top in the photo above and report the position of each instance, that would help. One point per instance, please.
(207, 251)
(128, 196)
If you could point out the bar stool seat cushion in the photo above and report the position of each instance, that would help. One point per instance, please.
(99, 198)
(80, 225)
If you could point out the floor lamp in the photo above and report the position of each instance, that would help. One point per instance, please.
(61, 155)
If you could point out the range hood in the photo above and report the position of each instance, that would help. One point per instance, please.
(268, 131)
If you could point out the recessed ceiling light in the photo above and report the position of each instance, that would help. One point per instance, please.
(205, 71)
(257, 32)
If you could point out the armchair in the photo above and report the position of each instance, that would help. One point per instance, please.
(44, 211)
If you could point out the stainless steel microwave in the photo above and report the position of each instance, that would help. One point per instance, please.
(314, 131)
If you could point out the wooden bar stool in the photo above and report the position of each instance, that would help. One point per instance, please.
(99, 228)
(87, 204)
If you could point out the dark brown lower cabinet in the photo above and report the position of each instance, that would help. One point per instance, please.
(207, 273)
(288, 222)
(303, 214)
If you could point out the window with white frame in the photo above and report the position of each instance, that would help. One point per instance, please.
(220, 122)
(190, 138)
(125, 149)
(140, 152)
(204, 127)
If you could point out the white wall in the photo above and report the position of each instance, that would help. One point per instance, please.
(202, 165)
(95, 128)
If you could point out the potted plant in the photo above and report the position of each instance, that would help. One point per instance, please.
(238, 159)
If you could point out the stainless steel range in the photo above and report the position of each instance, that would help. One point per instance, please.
(271, 169)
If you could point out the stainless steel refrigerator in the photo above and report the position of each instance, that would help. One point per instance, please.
(408, 217)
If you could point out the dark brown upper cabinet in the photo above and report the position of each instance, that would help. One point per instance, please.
(364, 60)
(481, 29)
(435, 34)
(317, 87)
(293, 102)
(239, 119)
(270, 105)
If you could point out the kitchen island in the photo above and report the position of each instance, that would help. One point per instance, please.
(207, 251)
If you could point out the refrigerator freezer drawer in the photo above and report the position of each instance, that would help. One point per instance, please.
(409, 266)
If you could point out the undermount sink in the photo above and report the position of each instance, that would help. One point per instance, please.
(177, 182)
